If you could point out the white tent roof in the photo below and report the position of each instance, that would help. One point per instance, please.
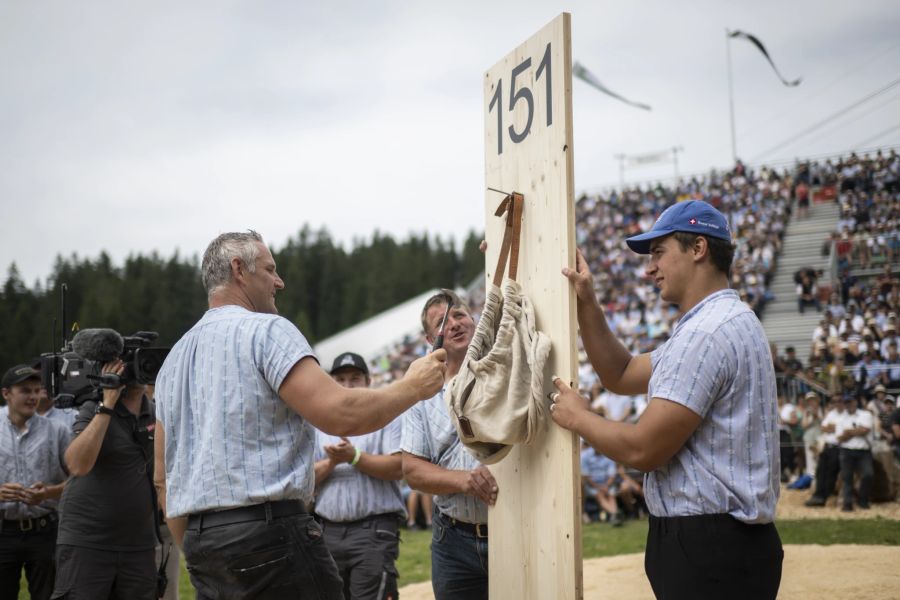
(375, 335)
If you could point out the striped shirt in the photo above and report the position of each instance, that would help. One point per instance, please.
(230, 440)
(429, 433)
(63, 416)
(718, 364)
(350, 495)
(34, 454)
(597, 467)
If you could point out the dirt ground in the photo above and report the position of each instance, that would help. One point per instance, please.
(810, 571)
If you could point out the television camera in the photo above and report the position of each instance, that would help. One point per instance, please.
(73, 375)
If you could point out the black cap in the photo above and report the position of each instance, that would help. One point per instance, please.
(350, 359)
(18, 374)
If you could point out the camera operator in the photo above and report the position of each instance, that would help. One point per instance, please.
(106, 544)
(32, 476)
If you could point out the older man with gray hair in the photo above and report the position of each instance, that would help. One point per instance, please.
(237, 400)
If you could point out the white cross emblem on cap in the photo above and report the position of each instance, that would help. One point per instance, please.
(347, 360)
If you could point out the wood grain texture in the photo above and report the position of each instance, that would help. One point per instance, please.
(535, 528)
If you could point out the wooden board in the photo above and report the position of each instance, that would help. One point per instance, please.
(535, 528)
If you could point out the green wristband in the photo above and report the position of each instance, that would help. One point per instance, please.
(355, 457)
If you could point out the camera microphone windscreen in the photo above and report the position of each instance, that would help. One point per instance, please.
(98, 345)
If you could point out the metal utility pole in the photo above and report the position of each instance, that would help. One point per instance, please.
(730, 96)
(621, 159)
(675, 151)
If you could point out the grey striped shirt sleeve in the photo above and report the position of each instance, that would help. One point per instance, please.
(696, 377)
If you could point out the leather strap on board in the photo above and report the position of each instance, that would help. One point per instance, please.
(512, 205)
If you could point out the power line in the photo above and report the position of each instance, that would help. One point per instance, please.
(818, 92)
(827, 119)
(862, 115)
(880, 135)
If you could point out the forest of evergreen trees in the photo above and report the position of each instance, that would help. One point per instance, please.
(327, 289)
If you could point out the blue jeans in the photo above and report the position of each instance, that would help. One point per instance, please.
(459, 562)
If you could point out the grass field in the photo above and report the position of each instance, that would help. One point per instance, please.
(599, 540)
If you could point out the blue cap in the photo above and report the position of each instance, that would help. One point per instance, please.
(693, 216)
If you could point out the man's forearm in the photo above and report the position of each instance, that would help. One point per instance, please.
(177, 527)
(358, 411)
(343, 412)
(610, 438)
(159, 466)
(53, 492)
(380, 466)
(427, 477)
(607, 355)
(389, 403)
(82, 452)
(647, 445)
(322, 470)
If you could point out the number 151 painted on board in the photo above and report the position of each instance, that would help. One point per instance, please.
(523, 93)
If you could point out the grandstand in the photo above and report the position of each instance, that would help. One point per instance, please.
(783, 324)
(837, 217)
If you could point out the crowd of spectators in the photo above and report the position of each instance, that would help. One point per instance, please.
(838, 413)
(853, 347)
(853, 360)
(758, 205)
(866, 190)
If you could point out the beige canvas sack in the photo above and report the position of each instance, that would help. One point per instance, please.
(497, 397)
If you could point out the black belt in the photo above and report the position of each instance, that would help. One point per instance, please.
(243, 514)
(479, 530)
(31, 525)
(370, 521)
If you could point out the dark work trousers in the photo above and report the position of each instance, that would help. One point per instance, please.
(90, 574)
(34, 550)
(366, 552)
(827, 470)
(856, 461)
(788, 454)
(281, 558)
(712, 557)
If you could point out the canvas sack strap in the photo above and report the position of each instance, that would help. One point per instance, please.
(512, 205)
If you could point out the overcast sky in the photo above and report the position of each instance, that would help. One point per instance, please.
(138, 126)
